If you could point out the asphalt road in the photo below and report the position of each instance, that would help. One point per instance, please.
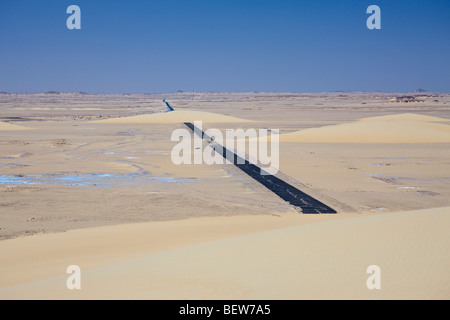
(284, 190)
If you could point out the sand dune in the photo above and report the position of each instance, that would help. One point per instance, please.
(402, 128)
(4, 126)
(326, 260)
(177, 116)
(105, 245)
(407, 117)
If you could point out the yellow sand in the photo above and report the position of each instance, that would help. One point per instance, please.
(403, 128)
(177, 116)
(4, 126)
(326, 260)
(407, 117)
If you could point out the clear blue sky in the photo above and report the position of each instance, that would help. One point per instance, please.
(224, 45)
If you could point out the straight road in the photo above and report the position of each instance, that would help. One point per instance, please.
(284, 190)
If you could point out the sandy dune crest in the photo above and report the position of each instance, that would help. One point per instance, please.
(177, 116)
(317, 260)
(402, 128)
(4, 126)
(407, 117)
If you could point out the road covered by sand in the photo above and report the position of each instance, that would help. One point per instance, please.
(93, 185)
(176, 117)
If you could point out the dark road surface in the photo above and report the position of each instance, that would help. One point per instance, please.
(285, 191)
(168, 106)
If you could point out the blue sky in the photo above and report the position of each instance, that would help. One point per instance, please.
(224, 45)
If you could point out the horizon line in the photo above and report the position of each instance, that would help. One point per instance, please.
(55, 92)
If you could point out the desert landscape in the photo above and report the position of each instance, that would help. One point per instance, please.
(87, 180)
